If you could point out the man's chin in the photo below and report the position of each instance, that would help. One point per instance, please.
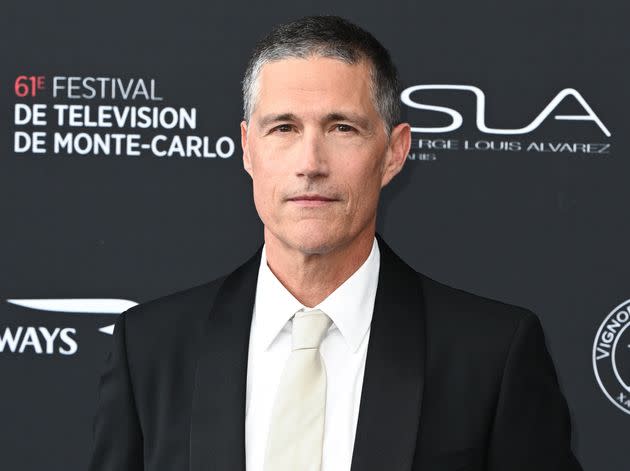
(312, 247)
(313, 242)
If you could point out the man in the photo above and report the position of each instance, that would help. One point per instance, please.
(325, 351)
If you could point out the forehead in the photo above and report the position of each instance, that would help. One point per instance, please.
(314, 85)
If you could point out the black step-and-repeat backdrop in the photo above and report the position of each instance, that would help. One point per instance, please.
(121, 180)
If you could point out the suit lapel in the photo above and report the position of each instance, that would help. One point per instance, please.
(393, 382)
(217, 427)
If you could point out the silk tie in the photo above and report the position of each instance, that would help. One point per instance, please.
(296, 432)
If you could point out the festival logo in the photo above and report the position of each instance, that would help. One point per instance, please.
(436, 111)
(611, 356)
(107, 117)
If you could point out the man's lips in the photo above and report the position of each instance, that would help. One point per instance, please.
(311, 200)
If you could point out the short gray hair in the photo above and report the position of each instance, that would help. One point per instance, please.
(327, 36)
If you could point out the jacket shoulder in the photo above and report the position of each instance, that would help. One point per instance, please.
(471, 326)
(456, 305)
(164, 325)
(453, 310)
(179, 306)
(465, 330)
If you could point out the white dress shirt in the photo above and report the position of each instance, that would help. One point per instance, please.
(344, 351)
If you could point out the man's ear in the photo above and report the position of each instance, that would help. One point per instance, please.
(247, 164)
(397, 151)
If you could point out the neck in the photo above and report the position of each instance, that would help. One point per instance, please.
(310, 278)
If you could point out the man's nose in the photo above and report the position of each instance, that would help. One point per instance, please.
(311, 159)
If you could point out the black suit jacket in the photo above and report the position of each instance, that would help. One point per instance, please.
(453, 382)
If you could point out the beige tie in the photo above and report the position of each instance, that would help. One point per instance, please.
(296, 432)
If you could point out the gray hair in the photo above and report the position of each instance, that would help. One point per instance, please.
(327, 36)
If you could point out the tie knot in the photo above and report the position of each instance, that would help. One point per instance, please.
(309, 329)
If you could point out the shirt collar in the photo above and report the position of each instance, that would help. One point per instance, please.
(350, 306)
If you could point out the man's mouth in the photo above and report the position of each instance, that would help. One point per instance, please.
(312, 200)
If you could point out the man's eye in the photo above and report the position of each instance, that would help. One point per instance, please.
(282, 128)
(344, 127)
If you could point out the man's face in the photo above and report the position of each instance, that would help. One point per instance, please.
(318, 153)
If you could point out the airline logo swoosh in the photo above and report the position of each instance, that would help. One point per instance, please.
(84, 306)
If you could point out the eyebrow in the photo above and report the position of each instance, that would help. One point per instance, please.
(360, 121)
(354, 118)
(274, 118)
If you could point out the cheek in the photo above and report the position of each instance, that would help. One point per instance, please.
(266, 181)
(263, 190)
(363, 177)
(259, 178)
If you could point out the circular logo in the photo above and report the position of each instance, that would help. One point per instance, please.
(611, 356)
